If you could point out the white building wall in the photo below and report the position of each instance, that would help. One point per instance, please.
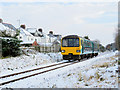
(27, 37)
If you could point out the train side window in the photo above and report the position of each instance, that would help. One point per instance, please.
(85, 43)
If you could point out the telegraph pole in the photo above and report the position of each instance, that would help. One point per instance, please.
(18, 22)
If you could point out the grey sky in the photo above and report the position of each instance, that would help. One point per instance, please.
(97, 20)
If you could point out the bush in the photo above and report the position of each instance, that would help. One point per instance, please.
(10, 47)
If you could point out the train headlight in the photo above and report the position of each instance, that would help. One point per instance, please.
(62, 51)
(77, 50)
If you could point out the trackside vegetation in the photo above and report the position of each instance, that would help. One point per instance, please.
(10, 47)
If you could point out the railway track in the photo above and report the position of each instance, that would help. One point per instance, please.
(36, 71)
(30, 70)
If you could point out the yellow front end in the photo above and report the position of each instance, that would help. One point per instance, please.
(71, 50)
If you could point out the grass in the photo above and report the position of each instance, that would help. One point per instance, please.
(54, 86)
(80, 77)
(69, 75)
(107, 82)
(85, 79)
(118, 62)
(105, 64)
(97, 75)
(8, 57)
(118, 81)
(91, 77)
(5, 57)
(112, 58)
(100, 86)
(112, 76)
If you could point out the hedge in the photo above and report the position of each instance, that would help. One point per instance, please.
(10, 47)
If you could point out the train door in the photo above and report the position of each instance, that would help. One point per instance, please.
(82, 46)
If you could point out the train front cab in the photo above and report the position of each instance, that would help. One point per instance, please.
(71, 48)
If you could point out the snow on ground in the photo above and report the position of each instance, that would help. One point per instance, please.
(97, 72)
(32, 59)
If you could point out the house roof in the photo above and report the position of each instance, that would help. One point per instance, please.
(23, 31)
(26, 42)
(2, 27)
(31, 30)
(45, 44)
(35, 43)
(9, 26)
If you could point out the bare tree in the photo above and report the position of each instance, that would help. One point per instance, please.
(117, 39)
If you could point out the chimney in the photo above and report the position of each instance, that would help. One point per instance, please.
(40, 30)
(23, 26)
(51, 32)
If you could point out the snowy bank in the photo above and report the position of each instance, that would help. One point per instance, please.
(32, 59)
(97, 72)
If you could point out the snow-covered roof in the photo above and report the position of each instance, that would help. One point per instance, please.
(26, 42)
(6, 38)
(31, 30)
(2, 27)
(9, 26)
(23, 31)
(57, 41)
(45, 44)
(40, 33)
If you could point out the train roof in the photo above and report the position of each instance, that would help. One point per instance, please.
(74, 36)
(71, 36)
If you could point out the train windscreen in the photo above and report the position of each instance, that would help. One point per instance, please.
(70, 42)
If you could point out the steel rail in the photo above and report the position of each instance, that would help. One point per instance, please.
(31, 70)
(35, 74)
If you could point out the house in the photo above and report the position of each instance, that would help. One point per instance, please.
(53, 37)
(26, 37)
(35, 32)
(8, 29)
(47, 47)
(29, 36)
(111, 46)
(31, 30)
(35, 43)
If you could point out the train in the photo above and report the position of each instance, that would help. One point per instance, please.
(74, 47)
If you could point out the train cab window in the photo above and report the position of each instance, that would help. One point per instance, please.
(70, 42)
(64, 43)
(76, 44)
(73, 42)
